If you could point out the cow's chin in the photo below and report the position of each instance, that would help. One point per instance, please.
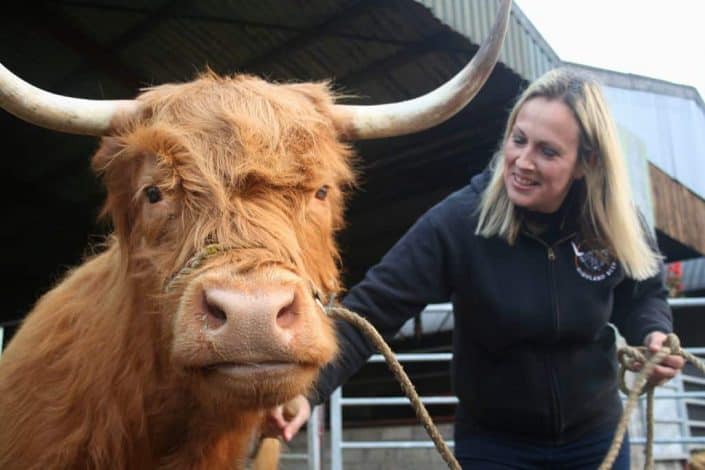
(255, 386)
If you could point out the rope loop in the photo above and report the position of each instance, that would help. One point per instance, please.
(633, 358)
(642, 361)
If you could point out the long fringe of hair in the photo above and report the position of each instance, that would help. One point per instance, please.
(607, 211)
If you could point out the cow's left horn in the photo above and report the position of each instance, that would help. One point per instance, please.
(406, 117)
(60, 113)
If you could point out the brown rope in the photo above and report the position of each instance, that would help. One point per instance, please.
(629, 358)
(649, 449)
(398, 371)
(194, 263)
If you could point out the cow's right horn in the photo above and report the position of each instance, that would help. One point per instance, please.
(406, 117)
(60, 113)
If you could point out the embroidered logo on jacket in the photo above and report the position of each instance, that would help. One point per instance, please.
(595, 264)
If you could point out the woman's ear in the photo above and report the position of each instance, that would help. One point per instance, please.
(579, 172)
(582, 165)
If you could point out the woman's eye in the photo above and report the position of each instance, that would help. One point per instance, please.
(154, 194)
(549, 152)
(322, 192)
(518, 140)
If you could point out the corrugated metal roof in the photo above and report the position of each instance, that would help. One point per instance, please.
(525, 51)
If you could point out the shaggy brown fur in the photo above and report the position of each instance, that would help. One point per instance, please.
(108, 370)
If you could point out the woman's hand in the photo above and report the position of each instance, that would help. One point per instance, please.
(286, 420)
(669, 367)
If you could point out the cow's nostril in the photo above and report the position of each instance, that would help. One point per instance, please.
(286, 316)
(215, 316)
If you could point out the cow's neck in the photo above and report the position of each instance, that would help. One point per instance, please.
(205, 443)
(81, 340)
(187, 433)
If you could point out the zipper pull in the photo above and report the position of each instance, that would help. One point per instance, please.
(551, 254)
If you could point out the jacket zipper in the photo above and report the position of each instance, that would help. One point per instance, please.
(555, 397)
(551, 253)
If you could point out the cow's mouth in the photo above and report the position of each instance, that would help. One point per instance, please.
(256, 384)
(253, 370)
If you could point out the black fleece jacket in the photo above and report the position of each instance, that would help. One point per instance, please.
(533, 354)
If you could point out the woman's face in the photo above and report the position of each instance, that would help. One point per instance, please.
(541, 155)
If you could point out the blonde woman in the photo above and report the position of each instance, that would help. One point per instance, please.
(537, 255)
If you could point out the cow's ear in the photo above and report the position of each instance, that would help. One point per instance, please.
(115, 172)
(110, 147)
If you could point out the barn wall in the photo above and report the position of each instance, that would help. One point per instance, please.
(679, 212)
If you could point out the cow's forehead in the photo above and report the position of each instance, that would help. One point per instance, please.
(243, 126)
(214, 104)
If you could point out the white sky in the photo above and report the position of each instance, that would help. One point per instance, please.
(662, 39)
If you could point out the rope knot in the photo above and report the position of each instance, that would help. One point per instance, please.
(640, 359)
(632, 357)
(673, 343)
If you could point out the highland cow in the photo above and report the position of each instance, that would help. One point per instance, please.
(202, 310)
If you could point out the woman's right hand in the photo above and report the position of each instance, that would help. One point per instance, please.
(286, 420)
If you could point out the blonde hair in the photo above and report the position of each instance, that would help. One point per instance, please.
(607, 211)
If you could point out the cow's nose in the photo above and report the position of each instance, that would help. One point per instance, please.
(253, 310)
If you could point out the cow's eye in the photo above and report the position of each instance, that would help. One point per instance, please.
(153, 194)
(322, 192)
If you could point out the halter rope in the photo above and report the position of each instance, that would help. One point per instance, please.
(628, 357)
(398, 371)
(194, 263)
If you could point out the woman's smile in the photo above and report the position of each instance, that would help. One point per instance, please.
(523, 182)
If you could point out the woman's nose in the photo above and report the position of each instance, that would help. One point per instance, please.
(524, 160)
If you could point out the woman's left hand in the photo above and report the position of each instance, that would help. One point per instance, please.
(669, 367)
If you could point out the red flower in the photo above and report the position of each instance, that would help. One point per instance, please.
(674, 274)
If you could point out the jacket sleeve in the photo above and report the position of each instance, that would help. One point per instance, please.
(641, 307)
(410, 276)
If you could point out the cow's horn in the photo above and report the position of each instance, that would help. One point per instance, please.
(60, 113)
(406, 117)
